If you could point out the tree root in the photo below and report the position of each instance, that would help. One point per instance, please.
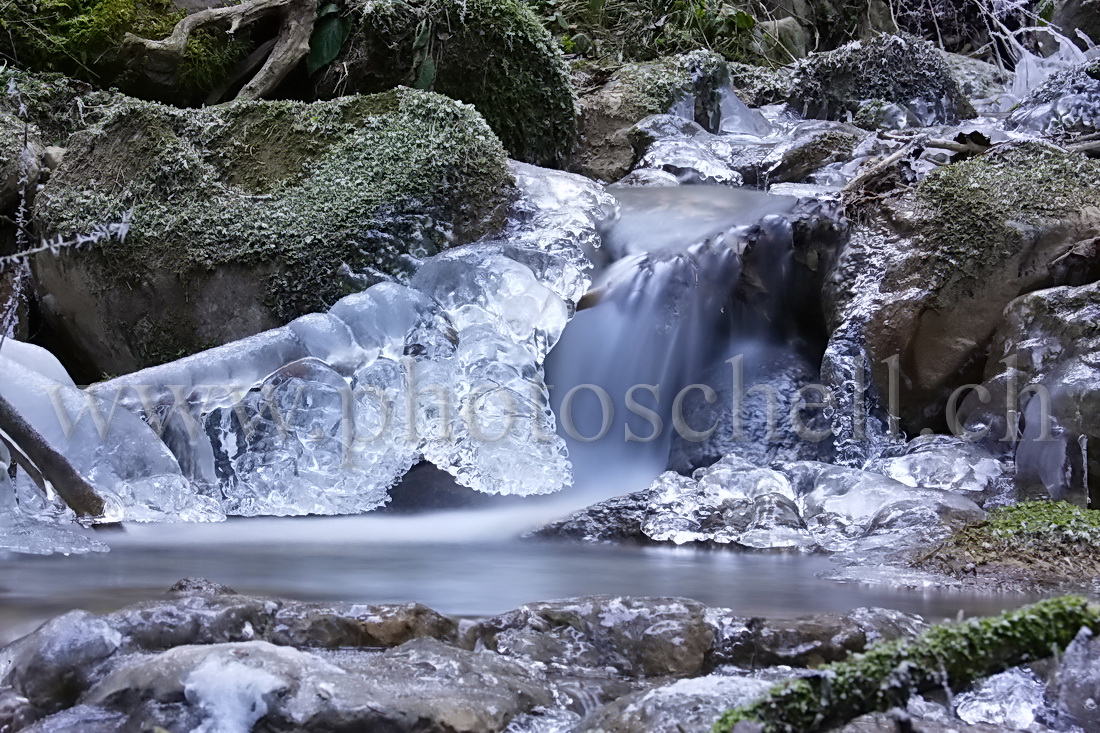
(296, 20)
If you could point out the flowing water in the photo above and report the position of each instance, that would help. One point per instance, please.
(672, 297)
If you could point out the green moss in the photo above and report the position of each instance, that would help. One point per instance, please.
(83, 39)
(306, 194)
(493, 54)
(949, 655)
(974, 210)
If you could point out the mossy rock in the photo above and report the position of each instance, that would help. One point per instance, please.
(635, 91)
(760, 85)
(896, 69)
(493, 54)
(949, 656)
(83, 39)
(249, 214)
(951, 253)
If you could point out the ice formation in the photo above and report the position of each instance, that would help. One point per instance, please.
(324, 415)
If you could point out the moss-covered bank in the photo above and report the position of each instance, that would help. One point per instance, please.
(1035, 544)
(275, 208)
(949, 655)
(493, 54)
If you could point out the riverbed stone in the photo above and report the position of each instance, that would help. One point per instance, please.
(493, 54)
(422, 685)
(892, 69)
(52, 666)
(807, 641)
(205, 618)
(244, 216)
(636, 637)
(927, 277)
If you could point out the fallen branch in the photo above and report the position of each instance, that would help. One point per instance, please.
(50, 464)
(296, 20)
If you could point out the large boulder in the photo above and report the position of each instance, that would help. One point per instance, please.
(241, 217)
(1078, 16)
(927, 278)
(688, 83)
(494, 55)
(889, 69)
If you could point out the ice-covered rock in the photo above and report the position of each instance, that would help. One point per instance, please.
(805, 505)
(684, 705)
(1075, 688)
(1015, 699)
(129, 470)
(943, 462)
(1066, 104)
(633, 636)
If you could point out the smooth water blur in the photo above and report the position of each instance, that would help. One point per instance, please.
(338, 559)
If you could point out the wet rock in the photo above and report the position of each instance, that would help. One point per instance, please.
(759, 426)
(895, 69)
(87, 719)
(52, 666)
(638, 637)
(927, 279)
(978, 80)
(808, 641)
(16, 711)
(247, 215)
(1068, 103)
(494, 55)
(192, 619)
(1075, 688)
(686, 85)
(1042, 365)
(1077, 16)
(204, 618)
(201, 587)
(898, 720)
(349, 625)
(618, 519)
(685, 705)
